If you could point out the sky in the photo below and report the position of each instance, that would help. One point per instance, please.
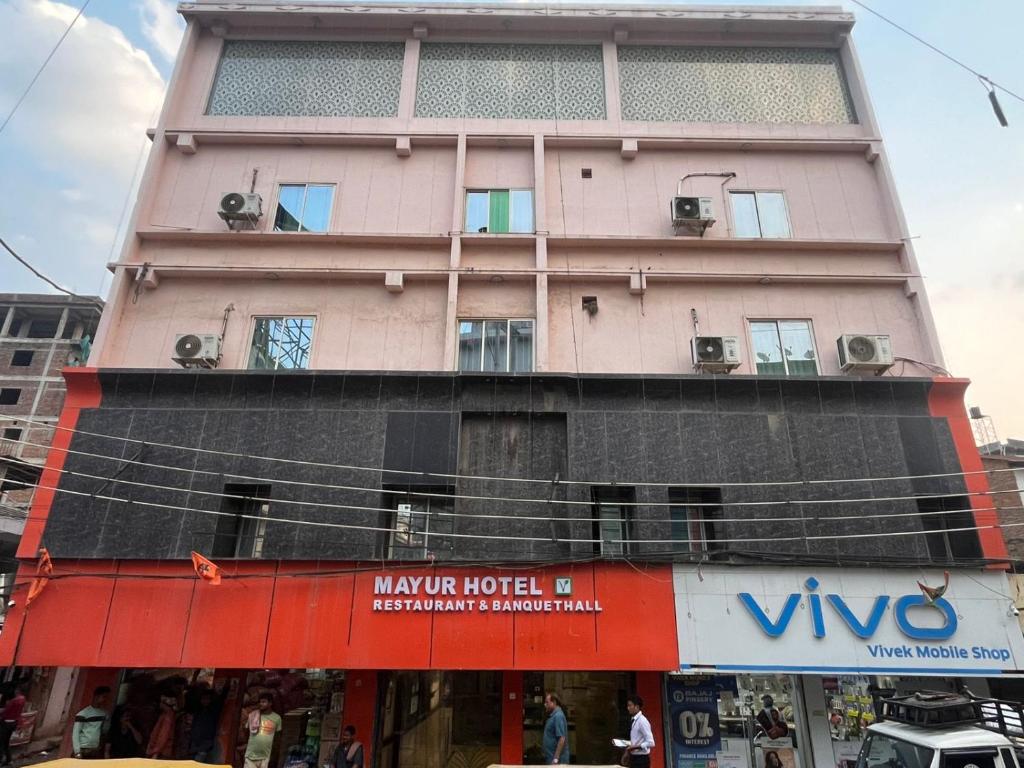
(71, 156)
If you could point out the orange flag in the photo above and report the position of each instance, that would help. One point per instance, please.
(44, 569)
(205, 569)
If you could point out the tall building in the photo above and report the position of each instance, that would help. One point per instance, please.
(40, 335)
(487, 351)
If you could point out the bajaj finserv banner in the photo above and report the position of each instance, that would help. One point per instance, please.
(850, 620)
(693, 713)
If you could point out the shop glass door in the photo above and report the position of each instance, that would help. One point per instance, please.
(741, 721)
(440, 719)
(595, 708)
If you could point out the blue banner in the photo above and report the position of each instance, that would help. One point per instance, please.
(693, 712)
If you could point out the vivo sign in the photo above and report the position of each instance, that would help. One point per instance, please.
(862, 626)
(836, 621)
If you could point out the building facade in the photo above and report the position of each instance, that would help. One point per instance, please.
(450, 335)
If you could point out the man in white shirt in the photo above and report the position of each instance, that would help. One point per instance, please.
(641, 739)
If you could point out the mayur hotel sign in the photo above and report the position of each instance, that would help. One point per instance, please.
(478, 594)
(849, 620)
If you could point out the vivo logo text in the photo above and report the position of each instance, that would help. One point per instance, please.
(863, 626)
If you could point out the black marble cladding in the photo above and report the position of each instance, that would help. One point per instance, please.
(348, 435)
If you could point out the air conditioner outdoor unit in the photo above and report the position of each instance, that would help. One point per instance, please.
(694, 214)
(865, 352)
(240, 206)
(193, 350)
(715, 354)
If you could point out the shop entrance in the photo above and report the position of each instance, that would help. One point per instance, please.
(439, 719)
(741, 721)
(595, 707)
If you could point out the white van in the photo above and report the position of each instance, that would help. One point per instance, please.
(941, 730)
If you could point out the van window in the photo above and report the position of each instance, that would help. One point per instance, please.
(881, 751)
(968, 758)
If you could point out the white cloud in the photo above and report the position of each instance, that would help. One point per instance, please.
(162, 26)
(76, 139)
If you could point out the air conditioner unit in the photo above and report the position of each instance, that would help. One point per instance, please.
(194, 350)
(240, 206)
(715, 354)
(694, 214)
(865, 352)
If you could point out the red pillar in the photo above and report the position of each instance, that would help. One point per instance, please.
(946, 399)
(361, 708)
(512, 718)
(649, 688)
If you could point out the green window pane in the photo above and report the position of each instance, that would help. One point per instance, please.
(499, 211)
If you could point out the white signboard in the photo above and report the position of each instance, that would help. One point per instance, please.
(830, 620)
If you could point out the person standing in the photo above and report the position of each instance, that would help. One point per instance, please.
(349, 752)
(161, 740)
(9, 719)
(641, 738)
(205, 720)
(556, 732)
(91, 725)
(264, 724)
(125, 739)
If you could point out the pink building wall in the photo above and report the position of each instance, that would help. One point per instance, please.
(398, 207)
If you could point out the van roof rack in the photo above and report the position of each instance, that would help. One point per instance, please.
(935, 709)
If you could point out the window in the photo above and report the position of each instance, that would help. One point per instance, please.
(419, 527)
(613, 514)
(281, 343)
(9, 396)
(760, 214)
(12, 434)
(784, 348)
(21, 358)
(693, 517)
(945, 543)
(881, 751)
(45, 328)
(498, 211)
(496, 345)
(241, 532)
(304, 208)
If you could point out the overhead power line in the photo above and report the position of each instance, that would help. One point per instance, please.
(490, 478)
(990, 84)
(42, 66)
(115, 480)
(533, 539)
(125, 462)
(44, 278)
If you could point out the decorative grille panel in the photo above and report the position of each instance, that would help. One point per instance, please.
(311, 78)
(733, 85)
(520, 82)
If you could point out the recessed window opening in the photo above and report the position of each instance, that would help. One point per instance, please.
(496, 345)
(242, 531)
(784, 348)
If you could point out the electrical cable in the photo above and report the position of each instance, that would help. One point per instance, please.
(42, 66)
(939, 51)
(456, 476)
(534, 539)
(45, 279)
(512, 500)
